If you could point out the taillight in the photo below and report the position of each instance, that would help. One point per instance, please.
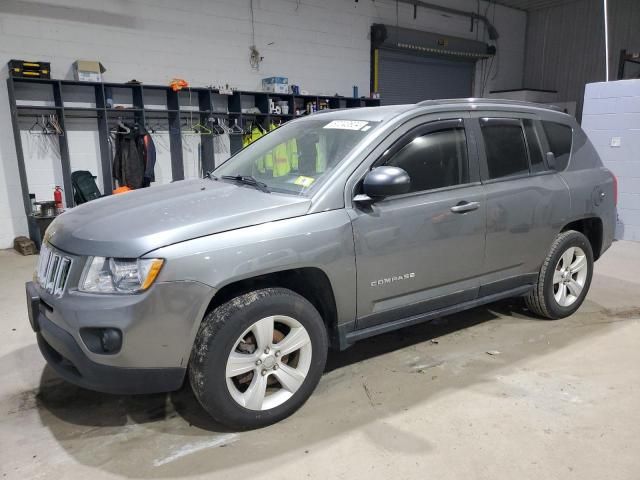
(615, 189)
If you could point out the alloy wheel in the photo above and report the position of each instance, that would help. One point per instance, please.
(268, 363)
(569, 276)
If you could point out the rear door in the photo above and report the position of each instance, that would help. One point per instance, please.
(527, 203)
(423, 250)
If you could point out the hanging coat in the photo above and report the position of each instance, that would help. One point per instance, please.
(135, 158)
(128, 162)
(149, 155)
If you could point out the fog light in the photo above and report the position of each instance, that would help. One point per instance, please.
(104, 341)
(111, 340)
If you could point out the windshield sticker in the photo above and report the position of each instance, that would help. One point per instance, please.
(346, 124)
(304, 181)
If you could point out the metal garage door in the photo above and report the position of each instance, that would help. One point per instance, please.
(410, 78)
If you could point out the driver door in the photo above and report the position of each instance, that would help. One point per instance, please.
(423, 250)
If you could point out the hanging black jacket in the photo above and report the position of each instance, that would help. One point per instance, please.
(135, 158)
(149, 154)
(128, 162)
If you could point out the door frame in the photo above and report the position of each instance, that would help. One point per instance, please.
(408, 131)
(507, 118)
(497, 286)
(405, 130)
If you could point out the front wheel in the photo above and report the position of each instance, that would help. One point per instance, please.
(564, 278)
(258, 357)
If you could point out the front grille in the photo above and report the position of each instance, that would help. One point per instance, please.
(52, 271)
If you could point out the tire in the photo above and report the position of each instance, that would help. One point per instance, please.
(285, 373)
(547, 299)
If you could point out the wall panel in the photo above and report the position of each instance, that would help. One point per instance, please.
(565, 45)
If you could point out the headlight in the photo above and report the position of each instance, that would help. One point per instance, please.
(119, 275)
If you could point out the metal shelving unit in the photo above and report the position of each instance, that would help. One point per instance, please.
(27, 98)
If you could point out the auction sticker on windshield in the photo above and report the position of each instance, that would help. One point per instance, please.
(347, 124)
(304, 181)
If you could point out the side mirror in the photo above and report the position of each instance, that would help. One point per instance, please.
(551, 160)
(384, 182)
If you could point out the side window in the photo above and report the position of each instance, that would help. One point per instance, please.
(435, 160)
(533, 142)
(505, 148)
(559, 137)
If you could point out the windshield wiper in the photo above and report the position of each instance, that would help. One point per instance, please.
(248, 180)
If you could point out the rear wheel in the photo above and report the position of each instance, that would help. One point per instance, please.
(564, 278)
(258, 357)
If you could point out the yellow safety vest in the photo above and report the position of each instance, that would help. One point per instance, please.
(284, 157)
(292, 148)
(321, 155)
(251, 137)
(248, 139)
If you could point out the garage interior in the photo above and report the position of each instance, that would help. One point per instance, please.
(491, 392)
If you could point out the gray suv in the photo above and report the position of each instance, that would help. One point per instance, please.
(333, 228)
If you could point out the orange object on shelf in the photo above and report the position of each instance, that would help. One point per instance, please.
(178, 84)
(124, 189)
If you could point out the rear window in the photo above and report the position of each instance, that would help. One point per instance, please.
(559, 137)
(505, 148)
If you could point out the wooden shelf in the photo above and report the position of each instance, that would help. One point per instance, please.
(194, 90)
(125, 109)
(194, 112)
(37, 107)
(83, 109)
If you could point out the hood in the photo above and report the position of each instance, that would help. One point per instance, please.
(132, 224)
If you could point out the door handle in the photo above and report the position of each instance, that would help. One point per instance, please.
(464, 207)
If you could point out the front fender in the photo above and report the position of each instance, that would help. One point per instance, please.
(322, 240)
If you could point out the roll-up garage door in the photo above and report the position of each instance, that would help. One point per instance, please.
(409, 66)
(410, 78)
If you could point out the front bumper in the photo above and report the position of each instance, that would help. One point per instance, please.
(158, 329)
(68, 360)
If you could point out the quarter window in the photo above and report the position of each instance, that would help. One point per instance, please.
(559, 137)
(505, 148)
(435, 160)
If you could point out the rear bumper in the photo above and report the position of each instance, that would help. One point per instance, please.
(69, 361)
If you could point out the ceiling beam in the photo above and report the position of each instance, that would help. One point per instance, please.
(528, 5)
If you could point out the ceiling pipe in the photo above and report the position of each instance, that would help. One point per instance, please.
(606, 41)
(491, 30)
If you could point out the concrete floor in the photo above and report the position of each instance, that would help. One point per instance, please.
(556, 400)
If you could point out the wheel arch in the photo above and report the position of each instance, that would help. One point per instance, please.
(312, 283)
(592, 228)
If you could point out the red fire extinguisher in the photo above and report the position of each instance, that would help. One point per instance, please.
(57, 197)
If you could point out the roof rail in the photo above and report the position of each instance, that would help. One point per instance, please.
(494, 101)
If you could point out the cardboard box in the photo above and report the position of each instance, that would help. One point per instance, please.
(25, 246)
(88, 71)
(275, 84)
(276, 88)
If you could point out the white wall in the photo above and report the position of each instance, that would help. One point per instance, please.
(611, 119)
(322, 45)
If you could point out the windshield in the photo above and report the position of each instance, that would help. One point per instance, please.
(298, 156)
